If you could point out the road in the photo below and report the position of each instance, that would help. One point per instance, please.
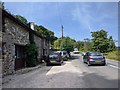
(72, 74)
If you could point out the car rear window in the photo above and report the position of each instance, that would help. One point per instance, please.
(55, 53)
(64, 53)
(96, 54)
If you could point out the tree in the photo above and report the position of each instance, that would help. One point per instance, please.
(87, 44)
(100, 41)
(57, 43)
(48, 34)
(111, 44)
(22, 19)
(67, 44)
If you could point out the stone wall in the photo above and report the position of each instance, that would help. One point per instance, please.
(45, 45)
(38, 42)
(13, 34)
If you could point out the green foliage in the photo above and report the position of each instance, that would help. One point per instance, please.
(67, 44)
(44, 32)
(112, 46)
(49, 35)
(87, 45)
(57, 43)
(31, 52)
(22, 19)
(115, 55)
(31, 38)
(31, 55)
(101, 42)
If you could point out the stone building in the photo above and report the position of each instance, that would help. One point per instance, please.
(15, 35)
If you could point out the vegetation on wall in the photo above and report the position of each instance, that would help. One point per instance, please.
(31, 52)
(44, 32)
(48, 34)
(22, 19)
(31, 55)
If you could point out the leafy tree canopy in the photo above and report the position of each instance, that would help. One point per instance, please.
(48, 34)
(101, 42)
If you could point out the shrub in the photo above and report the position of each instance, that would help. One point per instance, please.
(114, 55)
(31, 55)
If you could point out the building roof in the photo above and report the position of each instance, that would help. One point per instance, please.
(8, 15)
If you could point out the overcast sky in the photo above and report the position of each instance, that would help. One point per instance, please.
(78, 18)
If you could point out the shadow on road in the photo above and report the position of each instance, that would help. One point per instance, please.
(86, 80)
(54, 64)
(94, 80)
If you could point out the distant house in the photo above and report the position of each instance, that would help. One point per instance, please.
(15, 35)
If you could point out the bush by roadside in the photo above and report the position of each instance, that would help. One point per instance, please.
(115, 55)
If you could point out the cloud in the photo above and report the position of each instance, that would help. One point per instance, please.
(82, 15)
(93, 16)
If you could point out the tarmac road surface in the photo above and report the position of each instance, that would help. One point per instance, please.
(71, 74)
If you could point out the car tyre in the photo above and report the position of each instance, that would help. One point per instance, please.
(104, 64)
(84, 62)
(88, 63)
(47, 64)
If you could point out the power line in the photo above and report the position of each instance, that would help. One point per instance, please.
(60, 17)
(59, 13)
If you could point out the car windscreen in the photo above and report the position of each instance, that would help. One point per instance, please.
(55, 54)
(95, 54)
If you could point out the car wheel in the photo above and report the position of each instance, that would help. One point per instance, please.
(88, 63)
(48, 64)
(84, 62)
(60, 63)
(104, 64)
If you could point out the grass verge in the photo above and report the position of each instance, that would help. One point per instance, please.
(114, 55)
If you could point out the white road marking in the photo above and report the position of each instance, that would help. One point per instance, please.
(112, 60)
(68, 67)
(114, 66)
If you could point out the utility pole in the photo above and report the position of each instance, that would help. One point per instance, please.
(62, 31)
(62, 36)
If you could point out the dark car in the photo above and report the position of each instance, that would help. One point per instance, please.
(83, 53)
(94, 58)
(55, 58)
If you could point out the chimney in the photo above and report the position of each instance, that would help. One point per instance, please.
(32, 25)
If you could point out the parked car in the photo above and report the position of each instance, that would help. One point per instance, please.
(64, 55)
(76, 52)
(94, 58)
(55, 58)
(83, 53)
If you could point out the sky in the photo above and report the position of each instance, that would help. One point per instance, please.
(77, 18)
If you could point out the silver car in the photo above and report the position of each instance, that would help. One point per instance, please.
(94, 58)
